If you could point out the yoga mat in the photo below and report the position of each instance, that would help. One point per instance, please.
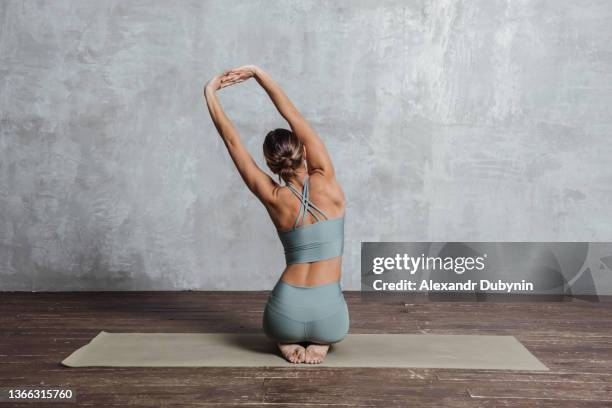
(256, 350)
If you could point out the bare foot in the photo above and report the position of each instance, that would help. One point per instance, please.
(294, 353)
(315, 353)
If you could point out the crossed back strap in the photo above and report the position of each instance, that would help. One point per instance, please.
(306, 205)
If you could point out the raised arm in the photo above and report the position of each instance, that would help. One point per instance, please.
(260, 183)
(316, 153)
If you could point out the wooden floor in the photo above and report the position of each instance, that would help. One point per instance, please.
(574, 339)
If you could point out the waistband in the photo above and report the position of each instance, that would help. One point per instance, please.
(307, 296)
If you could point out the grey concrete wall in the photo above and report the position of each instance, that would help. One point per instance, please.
(482, 120)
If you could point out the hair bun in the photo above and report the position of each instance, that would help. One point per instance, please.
(283, 152)
(287, 161)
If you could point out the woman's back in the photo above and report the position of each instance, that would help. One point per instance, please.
(326, 195)
(326, 205)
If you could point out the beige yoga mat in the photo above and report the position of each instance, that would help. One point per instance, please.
(255, 350)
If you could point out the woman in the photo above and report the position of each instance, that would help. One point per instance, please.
(306, 305)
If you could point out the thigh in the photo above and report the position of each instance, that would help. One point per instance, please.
(282, 328)
(330, 329)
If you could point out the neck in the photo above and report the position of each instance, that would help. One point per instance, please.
(299, 177)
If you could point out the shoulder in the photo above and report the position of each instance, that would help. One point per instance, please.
(327, 185)
(275, 196)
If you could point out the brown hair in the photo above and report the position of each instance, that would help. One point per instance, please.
(283, 152)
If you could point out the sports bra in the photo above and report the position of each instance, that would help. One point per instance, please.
(323, 239)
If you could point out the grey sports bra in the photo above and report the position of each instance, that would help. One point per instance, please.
(323, 239)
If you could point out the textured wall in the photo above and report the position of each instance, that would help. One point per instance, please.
(448, 121)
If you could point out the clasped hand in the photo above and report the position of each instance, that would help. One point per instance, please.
(232, 77)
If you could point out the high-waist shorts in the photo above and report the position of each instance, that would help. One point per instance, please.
(317, 314)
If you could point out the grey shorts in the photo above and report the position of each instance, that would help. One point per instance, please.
(316, 314)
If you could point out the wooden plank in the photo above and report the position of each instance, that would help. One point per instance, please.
(543, 391)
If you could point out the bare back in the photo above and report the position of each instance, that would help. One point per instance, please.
(327, 195)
